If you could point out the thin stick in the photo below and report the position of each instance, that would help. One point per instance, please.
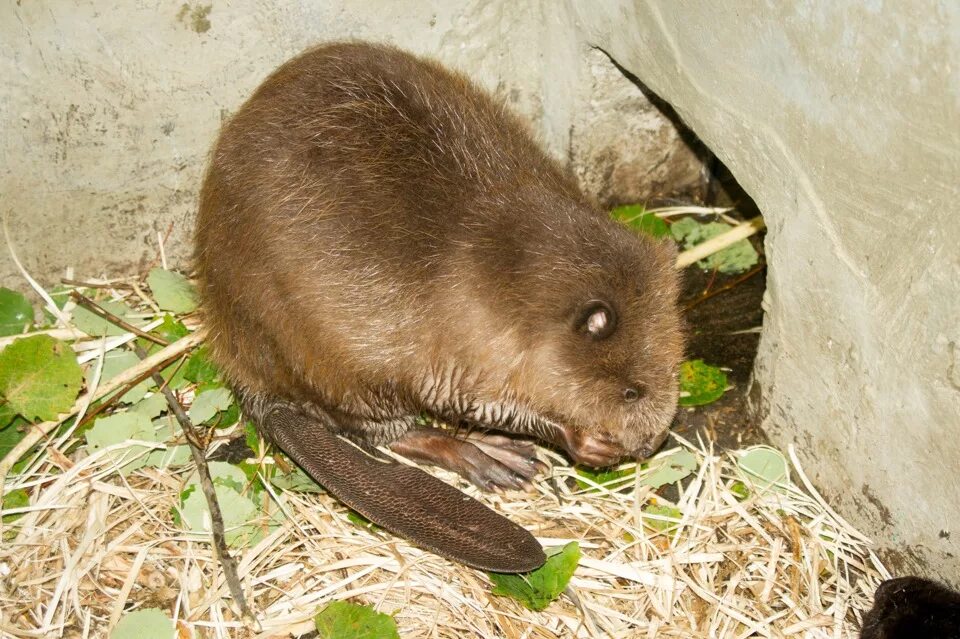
(106, 284)
(197, 451)
(65, 334)
(227, 561)
(720, 242)
(51, 306)
(726, 287)
(96, 309)
(41, 430)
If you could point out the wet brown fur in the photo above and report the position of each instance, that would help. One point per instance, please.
(378, 237)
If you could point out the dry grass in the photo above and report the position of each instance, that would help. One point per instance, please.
(93, 545)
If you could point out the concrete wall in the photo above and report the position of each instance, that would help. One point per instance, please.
(108, 109)
(842, 120)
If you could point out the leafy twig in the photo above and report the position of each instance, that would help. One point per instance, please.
(227, 561)
(720, 242)
(96, 309)
(41, 430)
(197, 451)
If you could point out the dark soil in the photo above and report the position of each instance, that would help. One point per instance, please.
(722, 332)
(724, 315)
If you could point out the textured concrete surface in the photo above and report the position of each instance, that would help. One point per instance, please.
(619, 147)
(108, 109)
(842, 120)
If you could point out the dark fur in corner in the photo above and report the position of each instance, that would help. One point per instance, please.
(911, 607)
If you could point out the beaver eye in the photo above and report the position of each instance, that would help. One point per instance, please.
(596, 319)
(633, 393)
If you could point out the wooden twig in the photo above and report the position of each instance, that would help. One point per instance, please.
(96, 309)
(104, 405)
(41, 430)
(197, 451)
(726, 287)
(106, 284)
(720, 242)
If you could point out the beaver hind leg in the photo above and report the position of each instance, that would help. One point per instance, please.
(402, 499)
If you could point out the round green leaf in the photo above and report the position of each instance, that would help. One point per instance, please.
(172, 291)
(39, 377)
(15, 312)
(669, 469)
(764, 465)
(149, 623)
(700, 383)
(345, 620)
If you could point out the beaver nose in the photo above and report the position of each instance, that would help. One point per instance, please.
(651, 446)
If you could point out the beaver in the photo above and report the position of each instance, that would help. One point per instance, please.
(908, 607)
(378, 239)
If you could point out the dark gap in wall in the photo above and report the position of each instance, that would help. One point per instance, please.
(722, 327)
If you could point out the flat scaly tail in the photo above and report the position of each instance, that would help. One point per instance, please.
(403, 499)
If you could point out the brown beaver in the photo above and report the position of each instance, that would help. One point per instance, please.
(379, 239)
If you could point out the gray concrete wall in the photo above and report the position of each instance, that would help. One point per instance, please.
(842, 120)
(108, 109)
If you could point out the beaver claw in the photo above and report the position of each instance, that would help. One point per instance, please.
(491, 462)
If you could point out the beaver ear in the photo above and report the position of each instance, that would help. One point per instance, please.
(596, 319)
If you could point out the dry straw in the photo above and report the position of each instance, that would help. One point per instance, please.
(93, 544)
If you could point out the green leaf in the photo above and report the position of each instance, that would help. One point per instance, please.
(136, 425)
(764, 466)
(238, 510)
(199, 368)
(252, 437)
(18, 498)
(360, 521)
(669, 469)
(736, 258)
(640, 219)
(119, 428)
(40, 377)
(535, 590)
(296, 481)
(151, 407)
(7, 415)
(611, 478)
(226, 418)
(208, 403)
(172, 291)
(345, 620)
(16, 312)
(11, 435)
(700, 383)
(661, 525)
(116, 362)
(740, 490)
(94, 325)
(171, 330)
(147, 623)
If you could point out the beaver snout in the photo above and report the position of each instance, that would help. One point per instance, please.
(600, 449)
(649, 448)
